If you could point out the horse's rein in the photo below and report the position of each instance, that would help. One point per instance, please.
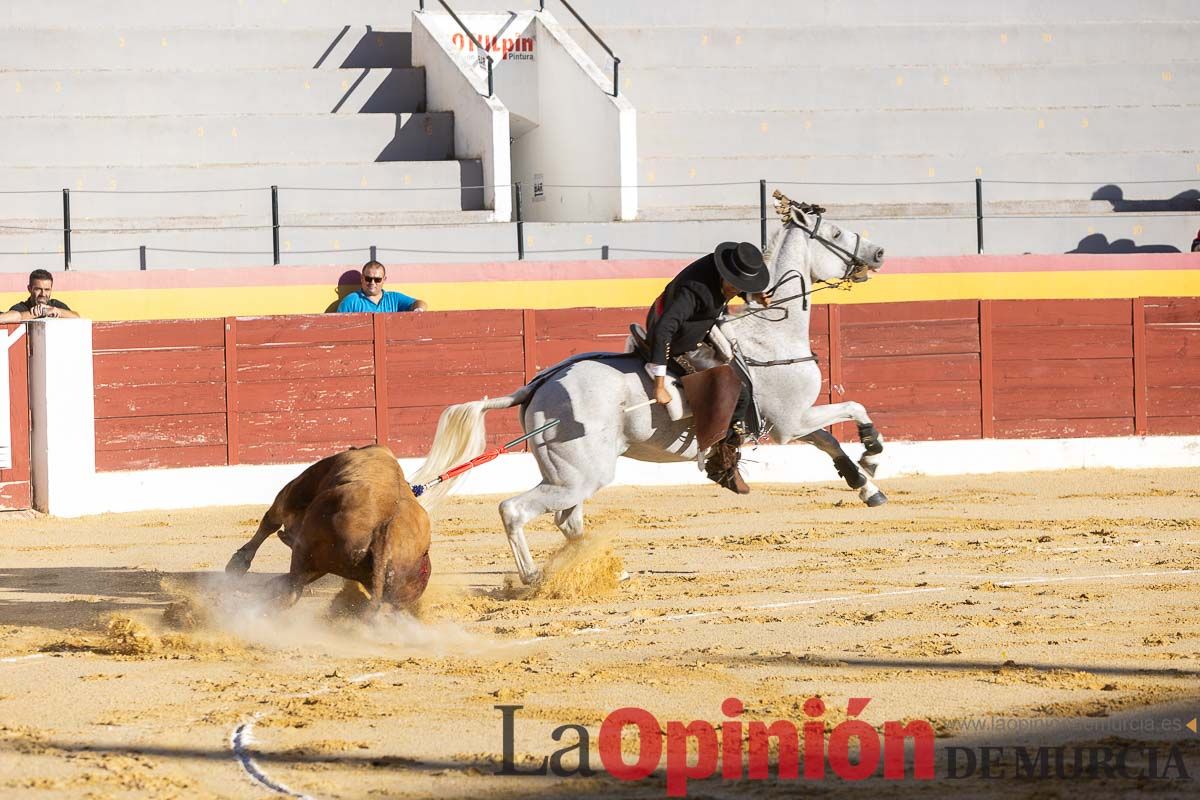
(802, 295)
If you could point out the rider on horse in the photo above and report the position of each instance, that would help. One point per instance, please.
(684, 314)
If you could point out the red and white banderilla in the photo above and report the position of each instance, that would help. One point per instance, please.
(454, 472)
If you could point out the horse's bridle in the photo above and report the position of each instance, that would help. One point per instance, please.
(849, 258)
(794, 213)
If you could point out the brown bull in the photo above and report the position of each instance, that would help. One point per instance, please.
(352, 514)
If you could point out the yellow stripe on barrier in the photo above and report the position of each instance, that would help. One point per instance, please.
(130, 304)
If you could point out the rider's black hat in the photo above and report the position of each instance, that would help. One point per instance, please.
(741, 264)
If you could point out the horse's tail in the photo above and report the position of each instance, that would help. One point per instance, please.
(460, 437)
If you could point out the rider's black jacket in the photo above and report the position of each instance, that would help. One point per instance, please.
(686, 310)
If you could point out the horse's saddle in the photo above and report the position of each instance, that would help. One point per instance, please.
(709, 395)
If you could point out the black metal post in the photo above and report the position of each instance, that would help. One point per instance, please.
(604, 253)
(979, 213)
(373, 258)
(762, 213)
(142, 257)
(520, 224)
(491, 90)
(616, 74)
(66, 229)
(275, 222)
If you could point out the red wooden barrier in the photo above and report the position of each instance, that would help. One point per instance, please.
(160, 393)
(437, 359)
(915, 366)
(15, 491)
(293, 389)
(1173, 365)
(1063, 368)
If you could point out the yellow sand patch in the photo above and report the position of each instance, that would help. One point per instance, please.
(128, 637)
(579, 570)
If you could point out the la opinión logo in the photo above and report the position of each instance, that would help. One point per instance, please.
(740, 748)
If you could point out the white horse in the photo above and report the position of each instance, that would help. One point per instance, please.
(591, 396)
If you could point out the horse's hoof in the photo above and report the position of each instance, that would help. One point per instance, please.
(238, 565)
(534, 580)
(877, 499)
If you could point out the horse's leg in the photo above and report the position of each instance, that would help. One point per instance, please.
(854, 477)
(517, 511)
(570, 522)
(816, 418)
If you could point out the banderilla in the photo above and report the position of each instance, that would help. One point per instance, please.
(454, 472)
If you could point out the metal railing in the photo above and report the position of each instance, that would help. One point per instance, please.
(765, 213)
(596, 36)
(482, 50)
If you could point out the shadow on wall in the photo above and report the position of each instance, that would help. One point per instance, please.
(375, 50)
(402, 91)
(347, 284)
(381, 49)
(470, 176)
(1099, 243)
(421, 137)
(1184, 201)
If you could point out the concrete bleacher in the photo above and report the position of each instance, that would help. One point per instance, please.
(1048, 103)
(142, 109)
(884, 112)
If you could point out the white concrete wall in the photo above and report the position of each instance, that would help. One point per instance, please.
(257, 485)
(585, 136)
(481, 124)
(62, 407)
(565, 127)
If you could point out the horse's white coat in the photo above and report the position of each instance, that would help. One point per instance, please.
(601, 403)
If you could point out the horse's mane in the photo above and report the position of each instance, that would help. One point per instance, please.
(769, 253)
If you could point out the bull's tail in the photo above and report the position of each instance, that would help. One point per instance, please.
(460, 436)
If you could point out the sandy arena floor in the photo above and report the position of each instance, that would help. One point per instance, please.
(1060, 607)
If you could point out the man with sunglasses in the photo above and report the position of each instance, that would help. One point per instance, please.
(372, 297)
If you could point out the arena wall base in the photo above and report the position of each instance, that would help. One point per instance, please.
(62, 416)
(257, 485)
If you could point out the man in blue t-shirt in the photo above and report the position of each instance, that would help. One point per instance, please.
(372, 297)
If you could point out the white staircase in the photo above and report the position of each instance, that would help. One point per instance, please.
(1078, 115)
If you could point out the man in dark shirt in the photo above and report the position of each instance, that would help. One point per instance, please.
(684, 314)
(40, 305)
